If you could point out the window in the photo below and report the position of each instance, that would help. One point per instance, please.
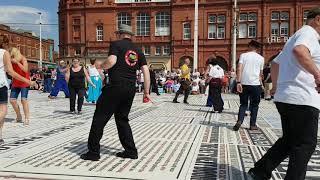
(147, 50)
(280, 23)
(77, 51)
(76, 21)
(18, 39)
(305, 14)
(247, 25)
(143, 24)
(216, 26)
(166, 50)
(99, 1)
(29, 52)
(124, 18)
(158, 51)
(62, 25)
(162, 24)
(99, 33)
(186, 31)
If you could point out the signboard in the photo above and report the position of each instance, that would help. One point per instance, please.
(277, 39)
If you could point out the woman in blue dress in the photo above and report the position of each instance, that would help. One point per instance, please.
(96, 76)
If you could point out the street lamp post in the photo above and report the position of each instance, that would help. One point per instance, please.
(195, 45)
(234, 42)
(40, 26)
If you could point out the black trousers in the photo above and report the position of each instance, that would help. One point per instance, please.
(215, 94)
(184, 88)
(74, 91)
(251, 93)
(154, 87)
(117, 100)
(300, 127)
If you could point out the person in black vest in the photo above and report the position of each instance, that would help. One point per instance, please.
(153, 80)
(117, 96)
(76, 77)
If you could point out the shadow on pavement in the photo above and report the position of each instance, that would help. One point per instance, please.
(81, 147)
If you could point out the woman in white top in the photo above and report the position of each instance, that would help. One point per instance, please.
(96, 76)
(6, 66)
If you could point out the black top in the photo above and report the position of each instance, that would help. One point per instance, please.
(152, 75)
(77, 79)
(129, 59)
(266, 72)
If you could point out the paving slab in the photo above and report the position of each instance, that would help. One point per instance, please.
(175, 141)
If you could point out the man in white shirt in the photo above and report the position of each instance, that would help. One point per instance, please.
(249, 75)
(216, 75)
(295, 76)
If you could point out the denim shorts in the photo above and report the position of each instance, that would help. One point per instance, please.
(16, 91)
(4, 95)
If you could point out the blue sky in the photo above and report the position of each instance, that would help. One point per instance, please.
(25, 11)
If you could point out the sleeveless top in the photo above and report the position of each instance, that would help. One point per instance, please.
(77, 79)
(93, 71)
(16, 83)
(3, 75)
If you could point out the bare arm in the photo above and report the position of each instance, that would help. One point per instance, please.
(11, 72)
(110, 62)
(239, 72)
(305, 60)
(88, 77)
(67, 77)
(146, 76)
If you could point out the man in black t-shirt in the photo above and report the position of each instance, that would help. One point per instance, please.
(117, 96)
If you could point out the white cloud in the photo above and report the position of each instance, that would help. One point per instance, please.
(26, 18)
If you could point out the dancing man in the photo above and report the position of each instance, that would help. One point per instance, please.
(117, 97)
(295, 76)
(184, 81)
(61, 83)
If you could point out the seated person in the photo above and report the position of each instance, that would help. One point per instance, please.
(194, 88)
(169, 85)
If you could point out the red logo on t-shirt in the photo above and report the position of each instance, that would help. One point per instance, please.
(131, 58)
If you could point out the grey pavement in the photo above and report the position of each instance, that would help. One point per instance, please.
(175, 141)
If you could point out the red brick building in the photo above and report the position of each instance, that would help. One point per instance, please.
(28, 44)
(164, 28)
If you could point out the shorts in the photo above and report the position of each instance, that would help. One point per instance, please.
(16, 91)
(4, 95)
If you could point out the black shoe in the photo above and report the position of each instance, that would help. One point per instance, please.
(125, 154)
(237, 126)
(79, 112)
(1, 141)
(186, 102)
(220, 111)
(175, 101)
(252, 176)
(158, 94)
(72, 112)
(90, 156)
(67, 97)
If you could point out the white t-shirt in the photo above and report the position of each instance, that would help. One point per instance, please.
(216, 71)
(295, 85)
(252, 66)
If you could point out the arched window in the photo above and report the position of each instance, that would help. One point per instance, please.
(124, 18)
(143, 24)
(162, 24)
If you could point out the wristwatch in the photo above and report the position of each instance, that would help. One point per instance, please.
(238, 82)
